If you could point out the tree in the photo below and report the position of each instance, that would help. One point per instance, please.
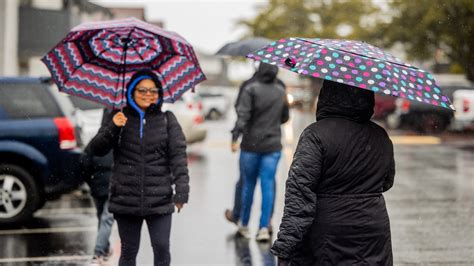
(426, 26)
(348, 19)
(312, 19)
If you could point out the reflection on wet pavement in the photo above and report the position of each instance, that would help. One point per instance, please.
(431, 207)
(246, 255)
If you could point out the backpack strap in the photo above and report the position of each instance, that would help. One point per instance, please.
(166, 120)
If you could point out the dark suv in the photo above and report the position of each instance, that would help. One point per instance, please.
(423, 117)
(38, 147)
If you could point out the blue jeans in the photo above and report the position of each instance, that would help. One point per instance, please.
(237, 209)
(252, 166)
(106, 220)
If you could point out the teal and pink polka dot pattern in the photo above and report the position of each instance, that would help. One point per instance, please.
(355, 63)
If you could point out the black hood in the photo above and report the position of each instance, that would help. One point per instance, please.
(345, 101)
(266, 73)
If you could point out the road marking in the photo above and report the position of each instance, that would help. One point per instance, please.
(49, 230)
(66, 211)
(42, 259)
(415, 140)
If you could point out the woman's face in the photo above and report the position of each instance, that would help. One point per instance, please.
(145, 94)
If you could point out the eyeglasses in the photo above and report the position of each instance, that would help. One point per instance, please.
(143, 91)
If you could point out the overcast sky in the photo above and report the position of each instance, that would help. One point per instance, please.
(206, 24)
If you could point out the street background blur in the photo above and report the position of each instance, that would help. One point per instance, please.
(431, 205)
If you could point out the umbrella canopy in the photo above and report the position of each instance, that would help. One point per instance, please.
(244, 47)
(97, 59)
(354, 63)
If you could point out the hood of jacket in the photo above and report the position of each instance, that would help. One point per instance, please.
(266, 73)
(345, 101)
(136, 78)
(131, 102)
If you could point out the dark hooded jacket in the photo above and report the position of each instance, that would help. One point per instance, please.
(334, 209)
(261, 109)
(149, 158)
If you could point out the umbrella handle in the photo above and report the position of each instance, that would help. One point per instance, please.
(290, 61)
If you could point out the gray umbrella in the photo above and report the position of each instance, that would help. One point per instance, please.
(244, 47)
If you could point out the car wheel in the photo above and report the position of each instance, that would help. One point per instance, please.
(19, 194)
(214, 114)
(432, 123)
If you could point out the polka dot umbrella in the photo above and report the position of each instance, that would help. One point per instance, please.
(354, 63)
(95, 60)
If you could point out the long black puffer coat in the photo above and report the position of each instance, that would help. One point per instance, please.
(334, 211)
(145, 168)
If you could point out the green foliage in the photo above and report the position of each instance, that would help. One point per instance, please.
(422, 26)
(312, 19)
(425, 26)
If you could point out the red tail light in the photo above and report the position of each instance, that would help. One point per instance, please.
(465, 105)
(405, 105)
(198, 119)
(67, 137)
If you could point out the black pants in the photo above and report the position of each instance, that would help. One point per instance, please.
(159, 227)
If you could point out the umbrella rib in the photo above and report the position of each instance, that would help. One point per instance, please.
(403, 65)
(125, 64)
(152, 48)
(141, 57)
(95, 56)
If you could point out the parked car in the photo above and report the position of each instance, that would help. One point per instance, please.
(215, 105)
(39, 156)
(384, 105)
(463, 101)
(89, 117)
(190, 117)
(422, 117)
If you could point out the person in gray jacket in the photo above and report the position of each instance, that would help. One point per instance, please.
(261, 110)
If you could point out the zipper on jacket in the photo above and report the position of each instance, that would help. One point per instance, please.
(142, 149)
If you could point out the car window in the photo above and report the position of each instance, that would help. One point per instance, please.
(84, 104)
(23, 101)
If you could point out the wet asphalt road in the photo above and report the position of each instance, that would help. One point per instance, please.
(431, 208)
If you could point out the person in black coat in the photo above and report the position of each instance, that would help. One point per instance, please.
(96, 172)
(334, 210)
(150, 173)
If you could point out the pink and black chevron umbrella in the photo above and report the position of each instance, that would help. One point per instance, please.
(354, 63)
(96, 60)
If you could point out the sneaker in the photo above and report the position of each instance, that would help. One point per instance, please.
(229, 216)
(96, 260)
(243, 232)
(263, 235)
